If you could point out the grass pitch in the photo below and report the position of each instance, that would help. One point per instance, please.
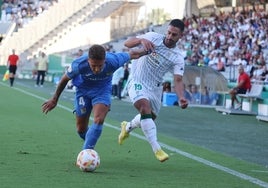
(40, 150)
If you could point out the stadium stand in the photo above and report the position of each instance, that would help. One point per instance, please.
(56, 23)
(84, 11)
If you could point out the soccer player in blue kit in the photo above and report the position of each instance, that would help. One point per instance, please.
(91, 74)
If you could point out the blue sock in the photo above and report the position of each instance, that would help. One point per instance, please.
(92, 136)
(83, 135)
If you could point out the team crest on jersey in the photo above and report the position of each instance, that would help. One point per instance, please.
(109, 73)
(154, 59)
(154, 53)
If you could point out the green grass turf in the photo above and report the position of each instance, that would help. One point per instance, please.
(40, 150)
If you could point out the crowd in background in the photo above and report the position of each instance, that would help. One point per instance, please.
(228, 39)
(21, 11)
(222, 41)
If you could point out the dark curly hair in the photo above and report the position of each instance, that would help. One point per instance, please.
(96, 52)
(177, 23)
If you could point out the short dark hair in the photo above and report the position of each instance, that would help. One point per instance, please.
(177, 23)
(96, 52)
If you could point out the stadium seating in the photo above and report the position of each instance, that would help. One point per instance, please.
(254, 94)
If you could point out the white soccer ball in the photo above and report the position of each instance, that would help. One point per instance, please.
(88, 160)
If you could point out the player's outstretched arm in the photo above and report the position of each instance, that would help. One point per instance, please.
(134, 42)
(136, 53)
(52, 103)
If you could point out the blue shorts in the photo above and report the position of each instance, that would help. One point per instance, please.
(85, 100)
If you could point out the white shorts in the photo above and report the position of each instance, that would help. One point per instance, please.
(137, 91)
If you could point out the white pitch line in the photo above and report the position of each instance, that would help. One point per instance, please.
(261, 171)
(173, 149)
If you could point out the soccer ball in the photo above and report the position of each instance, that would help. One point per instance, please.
(88, 160)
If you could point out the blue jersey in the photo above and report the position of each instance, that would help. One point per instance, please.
(83, 77)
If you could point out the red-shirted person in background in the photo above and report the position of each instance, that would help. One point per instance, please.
(12, 64)
(243, 85)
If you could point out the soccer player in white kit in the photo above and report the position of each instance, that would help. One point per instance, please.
(145, 86)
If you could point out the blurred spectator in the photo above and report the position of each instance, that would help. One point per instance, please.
(205, 98)
(123, 81)
(221, 63)
(80, 53)
(117, 76)
(151, 27)
(195, 95)
(264, 75)
(250, 68)
(12, 64)
(259, 73)
(243, 85)
(20, 12)
(235, 37)
(126, 74)
(187, 94)
(167, 87)
(42, 68)
(33, 65)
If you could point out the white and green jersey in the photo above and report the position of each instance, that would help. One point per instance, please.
(150, 69)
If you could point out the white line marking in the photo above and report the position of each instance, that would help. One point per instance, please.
(261, 171)
(183, 153)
